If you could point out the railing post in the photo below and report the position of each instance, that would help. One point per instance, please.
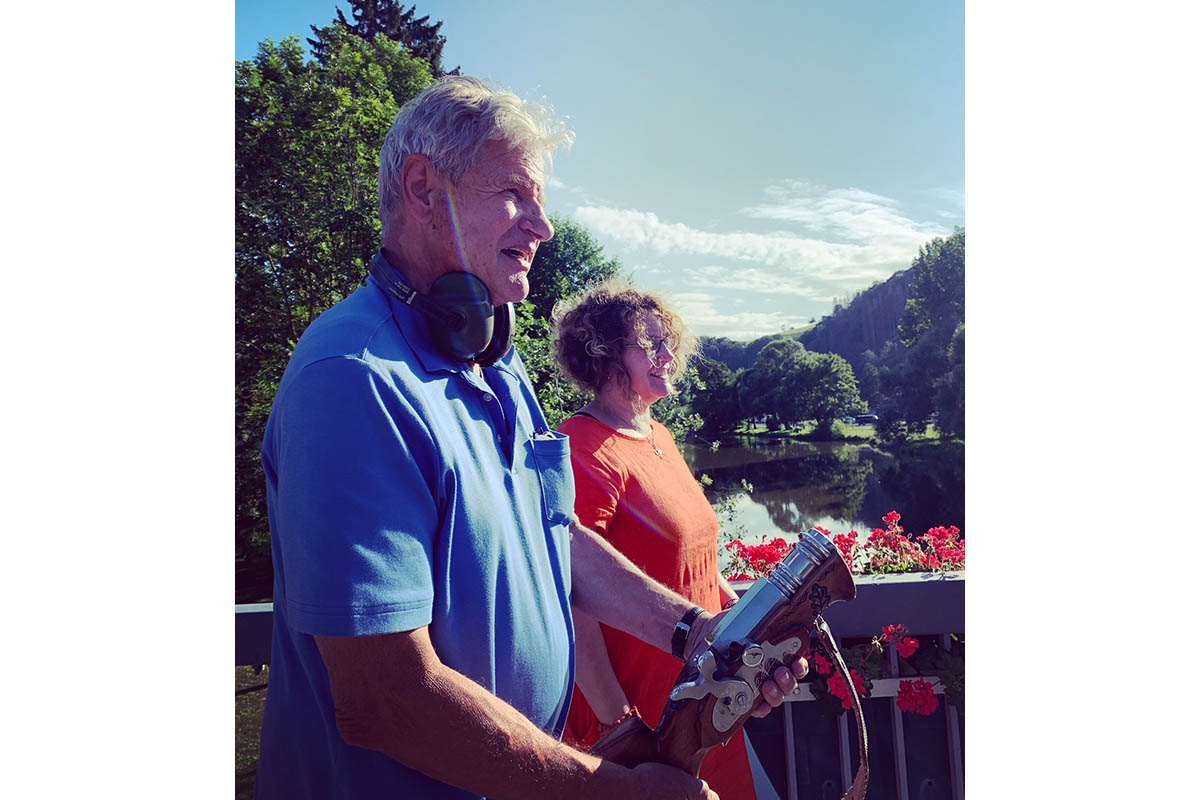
(957, 789)
(789, 739)
(898, 734)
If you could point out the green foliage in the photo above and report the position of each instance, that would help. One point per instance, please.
(562, 266)
(558, 396)
(566, 264)
(675, 411)
(729, 520)
(307, 143)
(792, 384)
(937, 290)
(716, 400)
(922, 370)
(374, 17)
(949, 391)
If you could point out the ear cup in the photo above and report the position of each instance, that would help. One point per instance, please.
(463, 323)
(467, 297)
(504, 327)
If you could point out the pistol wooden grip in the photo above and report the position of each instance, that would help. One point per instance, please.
(634, 742)
(631, 743)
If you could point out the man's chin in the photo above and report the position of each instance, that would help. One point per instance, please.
(516, 290)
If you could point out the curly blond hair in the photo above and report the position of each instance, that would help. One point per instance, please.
(591, 330)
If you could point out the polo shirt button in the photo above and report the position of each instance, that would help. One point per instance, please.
(487, 398)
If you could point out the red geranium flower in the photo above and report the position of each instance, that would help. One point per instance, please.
(837, 687)
(916, 695)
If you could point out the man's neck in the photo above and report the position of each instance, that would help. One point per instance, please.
(408, 267)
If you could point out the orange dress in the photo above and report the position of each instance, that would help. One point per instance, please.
(653, 511)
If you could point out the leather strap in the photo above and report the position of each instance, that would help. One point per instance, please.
(683, 630)
(858, 789)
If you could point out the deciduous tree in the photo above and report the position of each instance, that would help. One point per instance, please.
(307, 144)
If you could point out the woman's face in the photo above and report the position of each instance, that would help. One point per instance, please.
(650, 373)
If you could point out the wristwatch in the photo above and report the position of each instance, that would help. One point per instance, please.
(682, 629)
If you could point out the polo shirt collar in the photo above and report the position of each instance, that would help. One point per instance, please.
(414, 327)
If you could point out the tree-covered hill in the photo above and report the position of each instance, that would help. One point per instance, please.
(903, 338)
(741, 355)
(870, 320)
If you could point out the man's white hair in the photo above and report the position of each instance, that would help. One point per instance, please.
(449, 123)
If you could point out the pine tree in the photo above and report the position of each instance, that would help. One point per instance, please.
(373, 17)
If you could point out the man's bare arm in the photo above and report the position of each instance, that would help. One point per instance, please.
(393, 694)
(606, 585)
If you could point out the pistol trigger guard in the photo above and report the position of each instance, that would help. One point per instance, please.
(734, 697)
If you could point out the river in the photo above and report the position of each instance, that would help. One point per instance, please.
(838, 486)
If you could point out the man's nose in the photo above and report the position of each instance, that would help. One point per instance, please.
(537, 223)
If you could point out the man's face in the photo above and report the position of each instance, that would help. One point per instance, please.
(495, 220)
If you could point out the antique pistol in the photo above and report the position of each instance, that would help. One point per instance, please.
(720, 684)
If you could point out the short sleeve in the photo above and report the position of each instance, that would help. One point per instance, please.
(356, 506)
(599, 481)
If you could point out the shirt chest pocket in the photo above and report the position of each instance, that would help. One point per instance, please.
(552, 458)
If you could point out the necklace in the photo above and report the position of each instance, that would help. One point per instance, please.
(657, 451)
(613, 421)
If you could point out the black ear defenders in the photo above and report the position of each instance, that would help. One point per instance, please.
(463, 323)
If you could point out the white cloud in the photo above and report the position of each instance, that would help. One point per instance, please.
(853, 214)
(557, 185)
(830, 243)
(704, 318)
(853, 237)
(801, 256)
(750, 279)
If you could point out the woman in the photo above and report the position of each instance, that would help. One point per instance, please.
(625, 347)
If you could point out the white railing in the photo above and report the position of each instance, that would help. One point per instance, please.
(928, 603)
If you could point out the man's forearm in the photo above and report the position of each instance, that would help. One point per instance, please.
(448, 727)
(608, 586)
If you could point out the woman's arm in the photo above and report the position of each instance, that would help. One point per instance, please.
(727, 591)
(594, 672)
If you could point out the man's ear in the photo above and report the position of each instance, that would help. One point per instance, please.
(419, 183)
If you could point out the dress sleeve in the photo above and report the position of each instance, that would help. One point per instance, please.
(356, 503)
(599, 480)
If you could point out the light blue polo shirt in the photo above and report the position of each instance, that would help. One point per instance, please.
(403, 491)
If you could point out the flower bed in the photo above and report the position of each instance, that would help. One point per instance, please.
(921, 663)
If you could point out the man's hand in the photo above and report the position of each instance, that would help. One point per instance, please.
(661, 781)
(781, 683)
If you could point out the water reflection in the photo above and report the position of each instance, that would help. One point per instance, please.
(837, 486)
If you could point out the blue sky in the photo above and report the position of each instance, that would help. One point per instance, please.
(757, 165)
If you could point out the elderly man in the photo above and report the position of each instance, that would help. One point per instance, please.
(425, 554)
